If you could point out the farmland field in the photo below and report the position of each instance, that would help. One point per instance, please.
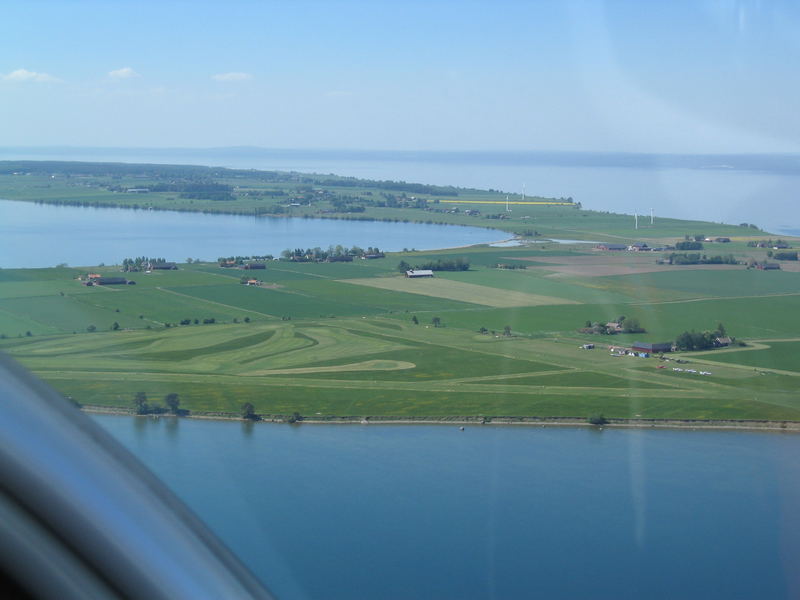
(459, 290)
(358, 339)
(775, 355)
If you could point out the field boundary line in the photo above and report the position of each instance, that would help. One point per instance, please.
(255, 312)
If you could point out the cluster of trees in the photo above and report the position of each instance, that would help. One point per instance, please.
(689, 245)
(171, 405)
(698, 259)
(342, 206)
(241, 259)
(332, 254)
(626, 325)
(140, 263)
(447, 264)
(696, 340)
(402, 186)
(785, 255)
(769, 243)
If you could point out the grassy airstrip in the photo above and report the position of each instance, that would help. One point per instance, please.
(338, 339)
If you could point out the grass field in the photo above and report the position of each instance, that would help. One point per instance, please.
(283, 368)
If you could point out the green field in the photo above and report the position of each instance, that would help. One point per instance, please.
(359, 339)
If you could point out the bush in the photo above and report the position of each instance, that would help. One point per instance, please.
(598, 419)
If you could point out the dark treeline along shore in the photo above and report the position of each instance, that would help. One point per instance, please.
(624, 329)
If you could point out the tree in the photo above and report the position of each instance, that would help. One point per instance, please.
(507, 331)
(249, 412)
(115, 326)
(140, 403)
(415, 320)
(172, 402)
(632, 326)
(403, 266)
(721, 330)
(597, 419)
(436, 321)
(91, 328)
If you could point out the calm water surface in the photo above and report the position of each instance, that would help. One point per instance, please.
(493, 512)
(41, 235)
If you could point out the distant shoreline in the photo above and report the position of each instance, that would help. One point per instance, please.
(692, 424)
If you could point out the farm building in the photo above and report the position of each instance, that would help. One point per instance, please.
(164, 266)
(651, 348)
(419, 273)
(614, 247)
(768, 266)
(639, 247)
(723, 341)
(254, 265)
(723, 240)
(108, 281)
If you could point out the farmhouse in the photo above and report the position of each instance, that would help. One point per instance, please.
(651, 348)
(253, 282)
(638, 247)
(419, 273)
(721, 342)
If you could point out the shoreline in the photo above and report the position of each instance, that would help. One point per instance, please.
(690, 424)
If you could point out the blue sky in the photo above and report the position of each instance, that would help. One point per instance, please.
(702, 76)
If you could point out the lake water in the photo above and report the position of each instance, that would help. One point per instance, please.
(41, 235)
(340, 511)
(760, 189)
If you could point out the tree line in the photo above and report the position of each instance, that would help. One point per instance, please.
(700, 259)
(442, 264)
